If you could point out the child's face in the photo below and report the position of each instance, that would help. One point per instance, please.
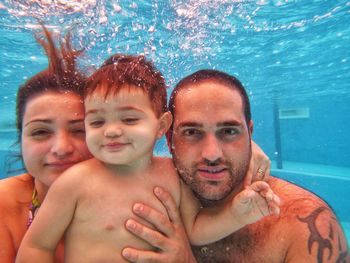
(122, 129)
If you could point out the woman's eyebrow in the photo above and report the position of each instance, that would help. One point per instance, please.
(38, 120)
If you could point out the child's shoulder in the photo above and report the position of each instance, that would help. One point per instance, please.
(82, 170)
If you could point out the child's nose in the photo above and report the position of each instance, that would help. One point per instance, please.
(113, 131)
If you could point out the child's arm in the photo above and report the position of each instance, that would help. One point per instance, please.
(48, 227)
(211, 224)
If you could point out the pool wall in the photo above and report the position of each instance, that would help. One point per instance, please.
(334, 190)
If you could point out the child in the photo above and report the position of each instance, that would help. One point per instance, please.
(125, 106)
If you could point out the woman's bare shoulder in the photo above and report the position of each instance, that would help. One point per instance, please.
(15, 190)
(16, 184)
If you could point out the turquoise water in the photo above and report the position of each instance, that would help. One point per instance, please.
(292, 56)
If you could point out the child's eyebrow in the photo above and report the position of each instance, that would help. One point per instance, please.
(129, 108)
(92, 111)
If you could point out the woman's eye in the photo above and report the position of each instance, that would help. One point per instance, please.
(78, 131)
(39, 133)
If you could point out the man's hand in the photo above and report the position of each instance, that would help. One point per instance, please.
(259, 166)
(170, 237)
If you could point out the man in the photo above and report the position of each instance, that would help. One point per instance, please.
(211, 145)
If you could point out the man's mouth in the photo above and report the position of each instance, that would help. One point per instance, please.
(212, 173)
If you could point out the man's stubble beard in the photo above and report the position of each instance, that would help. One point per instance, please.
(211, 192)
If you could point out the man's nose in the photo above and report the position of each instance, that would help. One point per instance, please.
(62, 145)
(211, 149)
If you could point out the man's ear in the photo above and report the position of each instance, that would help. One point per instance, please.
(165, 122)
(250, 127)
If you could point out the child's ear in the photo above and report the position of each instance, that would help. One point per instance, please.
(165, 122)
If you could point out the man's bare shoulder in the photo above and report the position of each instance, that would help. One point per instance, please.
(305, 231)
(309, 226)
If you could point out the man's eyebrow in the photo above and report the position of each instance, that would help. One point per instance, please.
(229, 123)
(189, 124)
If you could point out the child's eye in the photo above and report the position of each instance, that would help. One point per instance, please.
(130, 120)
(96, 123)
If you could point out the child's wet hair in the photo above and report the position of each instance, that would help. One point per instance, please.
(120, 71)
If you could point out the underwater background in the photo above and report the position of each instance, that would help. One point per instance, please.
(293, 57)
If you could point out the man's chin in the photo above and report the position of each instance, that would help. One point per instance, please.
(212, 193)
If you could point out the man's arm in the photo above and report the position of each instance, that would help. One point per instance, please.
(317, 236)
(170, 237)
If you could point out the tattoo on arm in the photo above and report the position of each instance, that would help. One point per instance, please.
(343, 256)
(323, 243)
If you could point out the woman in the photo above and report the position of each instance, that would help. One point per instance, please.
(50, 123)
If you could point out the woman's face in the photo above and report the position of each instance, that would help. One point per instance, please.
(53, 136)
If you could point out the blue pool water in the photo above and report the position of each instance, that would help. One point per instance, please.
(292, 56)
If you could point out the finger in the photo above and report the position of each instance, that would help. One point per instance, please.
(274, 209)
(151, 236)
(169, 204)
(259, 186)
(276, 199)
(139, 256)
(267, 172)
(262, 205)
(158, 219)
(249, 176)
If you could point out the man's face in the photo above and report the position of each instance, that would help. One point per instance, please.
(211, 140)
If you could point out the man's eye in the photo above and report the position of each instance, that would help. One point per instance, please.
(228, 132)
(191, 132)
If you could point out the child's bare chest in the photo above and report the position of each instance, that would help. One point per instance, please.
(106, 205)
